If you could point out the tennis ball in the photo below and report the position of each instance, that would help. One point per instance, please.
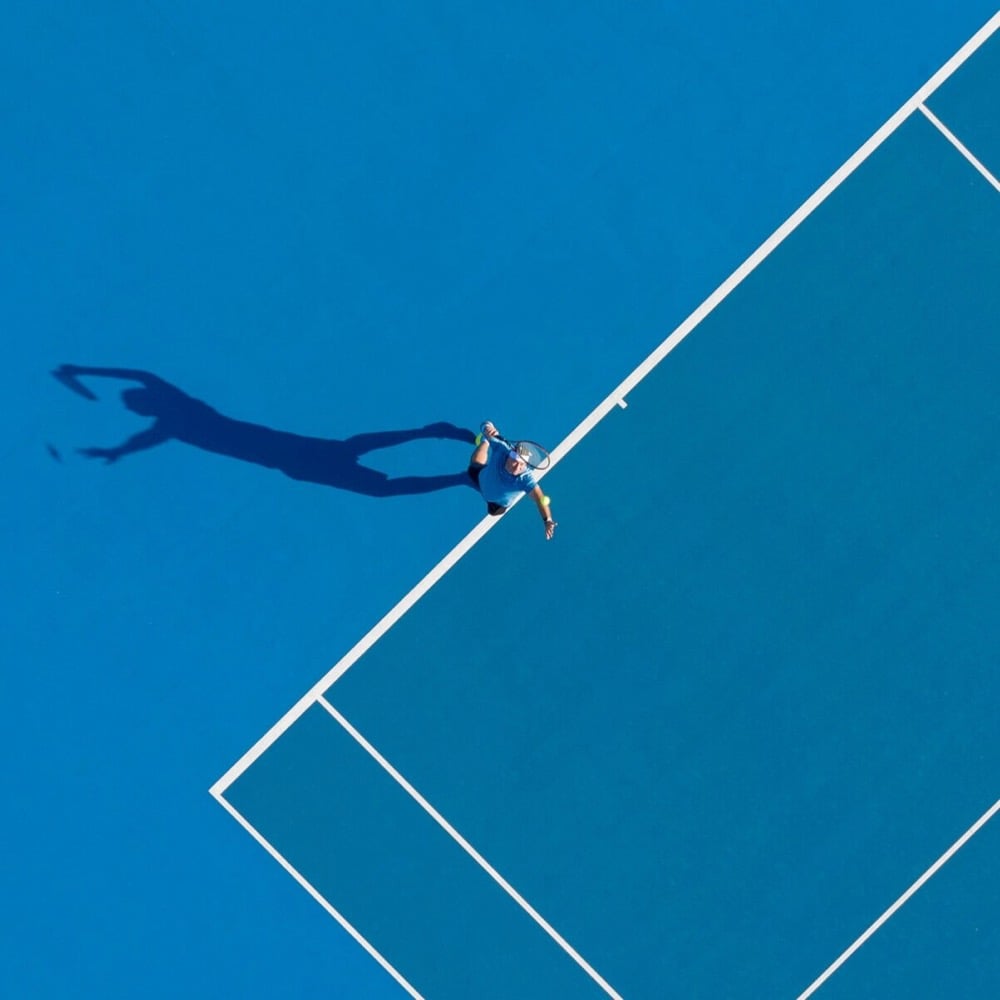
(546, 500)
(479, 439)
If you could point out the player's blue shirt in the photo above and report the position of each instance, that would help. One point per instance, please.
(496, 484)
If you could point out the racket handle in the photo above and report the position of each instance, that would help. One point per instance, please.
(495, 436)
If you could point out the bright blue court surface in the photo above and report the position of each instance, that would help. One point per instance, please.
(732, 733)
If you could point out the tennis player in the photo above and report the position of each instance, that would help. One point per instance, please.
(501, 475)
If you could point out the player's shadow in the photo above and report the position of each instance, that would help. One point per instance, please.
(177, 416)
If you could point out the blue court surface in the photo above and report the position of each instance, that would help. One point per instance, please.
(732, 732)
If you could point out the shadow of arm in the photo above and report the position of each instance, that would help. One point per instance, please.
(148, 438)
(69, 376)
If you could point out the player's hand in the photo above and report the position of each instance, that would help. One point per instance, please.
(550, 529)
(489, 430)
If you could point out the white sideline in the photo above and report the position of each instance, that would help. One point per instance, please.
(613, 400)
(934, 868)
(252, 830)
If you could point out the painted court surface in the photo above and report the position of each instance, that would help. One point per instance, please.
(732, 732)
(749, 697)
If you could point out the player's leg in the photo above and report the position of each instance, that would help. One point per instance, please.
(361, 444)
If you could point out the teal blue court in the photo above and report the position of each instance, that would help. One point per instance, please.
(287, 715)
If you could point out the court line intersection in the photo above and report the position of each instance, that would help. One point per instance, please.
(958, 144)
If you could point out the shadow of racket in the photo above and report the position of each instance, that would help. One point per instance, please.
(68, 378)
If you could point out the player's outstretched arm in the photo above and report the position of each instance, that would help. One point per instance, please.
(542, 503)
(69, 375)
(136, 374)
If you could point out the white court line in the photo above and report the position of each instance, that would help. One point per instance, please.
(249, 827)
(472, 852)
(934, 868)
(352, 655)
(953, 139)
(615, 399)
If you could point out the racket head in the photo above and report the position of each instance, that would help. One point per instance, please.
(534, 455)
(68, 378)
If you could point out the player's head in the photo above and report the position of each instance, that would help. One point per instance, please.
(140, 401)
(516, 463)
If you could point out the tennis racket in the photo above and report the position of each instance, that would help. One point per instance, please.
(534, 455)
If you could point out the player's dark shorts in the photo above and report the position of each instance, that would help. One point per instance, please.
(493, 509)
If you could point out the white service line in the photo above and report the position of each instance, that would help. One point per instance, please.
(252, 830)
(471, 851)
(954, 140)
(613, 400)
(934, 868)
